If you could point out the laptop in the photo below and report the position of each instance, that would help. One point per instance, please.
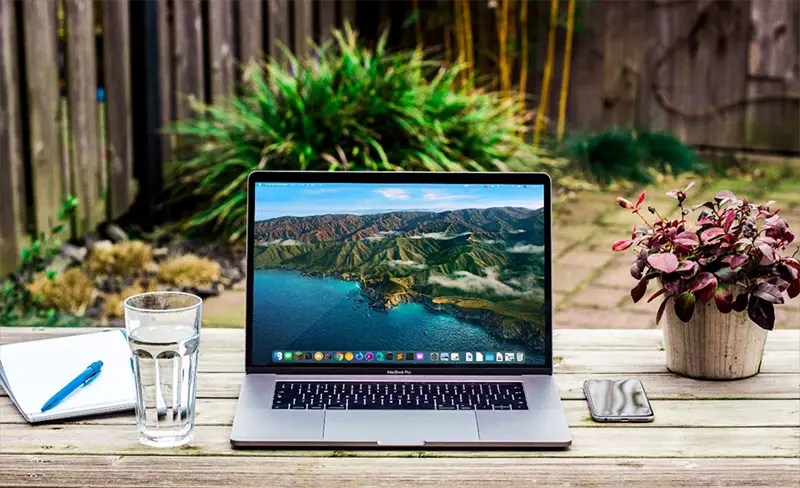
(399, 310)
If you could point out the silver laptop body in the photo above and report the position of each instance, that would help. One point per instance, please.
(378, 304)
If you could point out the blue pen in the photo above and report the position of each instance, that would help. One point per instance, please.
(83, 379)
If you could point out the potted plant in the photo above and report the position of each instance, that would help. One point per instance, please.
(719, 280)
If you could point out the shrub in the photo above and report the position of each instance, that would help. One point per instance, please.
(71, 291)
(629, 156)
(114, 304)
(189, 271)
(344, 108)
(120, 259)
(732, 256)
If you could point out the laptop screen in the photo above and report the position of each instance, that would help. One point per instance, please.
(351, 274)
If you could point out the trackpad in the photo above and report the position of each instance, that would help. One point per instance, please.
(400, 427)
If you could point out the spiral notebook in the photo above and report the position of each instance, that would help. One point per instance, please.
(32, 372)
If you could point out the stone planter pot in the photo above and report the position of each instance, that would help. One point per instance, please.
(713, 345)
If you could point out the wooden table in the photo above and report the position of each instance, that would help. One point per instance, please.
(738, 433)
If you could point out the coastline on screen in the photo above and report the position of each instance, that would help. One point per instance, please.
(358, 273)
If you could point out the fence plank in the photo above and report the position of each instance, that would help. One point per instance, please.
(13, 209)
(188, 56)
(166, 74)
(116, 65)
(45, 146)
(88, 176)
(251, 33)
(278, 28)
(326, 13)
(303, 26)
(220, 45)
(348, 8)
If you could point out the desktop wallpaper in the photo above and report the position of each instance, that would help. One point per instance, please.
(374, 268)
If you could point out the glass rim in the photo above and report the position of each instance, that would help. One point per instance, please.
(128, 306)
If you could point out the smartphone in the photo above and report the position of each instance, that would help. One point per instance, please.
(618, 401)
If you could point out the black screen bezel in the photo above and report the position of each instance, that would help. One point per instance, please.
(400, 178)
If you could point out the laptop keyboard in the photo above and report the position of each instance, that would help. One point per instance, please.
(398, 396)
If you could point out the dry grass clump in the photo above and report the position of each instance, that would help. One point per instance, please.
(121, 258)
(71, 291)
(114, 304)
(189, 271)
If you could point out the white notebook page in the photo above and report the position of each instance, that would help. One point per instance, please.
(32, 372)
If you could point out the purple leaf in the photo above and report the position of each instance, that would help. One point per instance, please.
(739, 260)
(730, 216)
(684, 306)
(724, 195)
(641, 199)
(711, 233)
(656, 295)
(673, 286)
(666, 262)
(761, 312)
(768, 292)
(661, 309)
(740, 303)
(794, 288)
(767, 254)
(703, 280)
(724, 299)
(639, 290)
(686, 238)
(787, 272)
(687, 267)
(621, 245)
(726, 275)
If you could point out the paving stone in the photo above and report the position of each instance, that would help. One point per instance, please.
(582, 258)
(598, 297)
(589, 318)
(567, 277)
(617, 276)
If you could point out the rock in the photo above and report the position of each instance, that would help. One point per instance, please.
(115, 233)
(76, 253)
(205, 292)
(231, 273)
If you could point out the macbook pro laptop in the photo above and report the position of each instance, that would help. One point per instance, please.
(399, 309)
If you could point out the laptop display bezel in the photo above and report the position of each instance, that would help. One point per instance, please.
(400, 178)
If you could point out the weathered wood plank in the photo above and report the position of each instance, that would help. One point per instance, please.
(88, 177)
(303, 27)
(326, 15)
(606, 442)
(569, 339)
(41, 62)
(189, 81)
(251, 35)
(12, 177)
(348, 10)
(278, 29)
(289, 472)
(669, 413)
(166, 72)
(220, 45)
(116, 65)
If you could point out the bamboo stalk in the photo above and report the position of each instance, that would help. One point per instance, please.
(548, 71)
(502, 39)
(562, 100)
(523, 70)
(417, 24)
(468, 40)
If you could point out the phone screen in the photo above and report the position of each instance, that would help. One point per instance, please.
(618, 398)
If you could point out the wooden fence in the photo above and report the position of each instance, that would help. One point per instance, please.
(59, 136)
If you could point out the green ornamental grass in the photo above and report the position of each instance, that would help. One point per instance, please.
(343, 108)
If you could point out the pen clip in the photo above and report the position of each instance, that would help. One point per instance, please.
(91, 378)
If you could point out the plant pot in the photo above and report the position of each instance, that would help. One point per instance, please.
(713, 345)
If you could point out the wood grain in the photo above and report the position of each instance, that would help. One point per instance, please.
(220, 47)
(48, 180)
(278, 29)
(326, 16)
(303, 31)
(290, 472)
(117, 72)
(251, 35)
(669, 413)
(12, 176)
(166, 75)
(88, 175)
(605, 442)
(189, 81)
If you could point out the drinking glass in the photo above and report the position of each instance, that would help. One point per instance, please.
(164, 335)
